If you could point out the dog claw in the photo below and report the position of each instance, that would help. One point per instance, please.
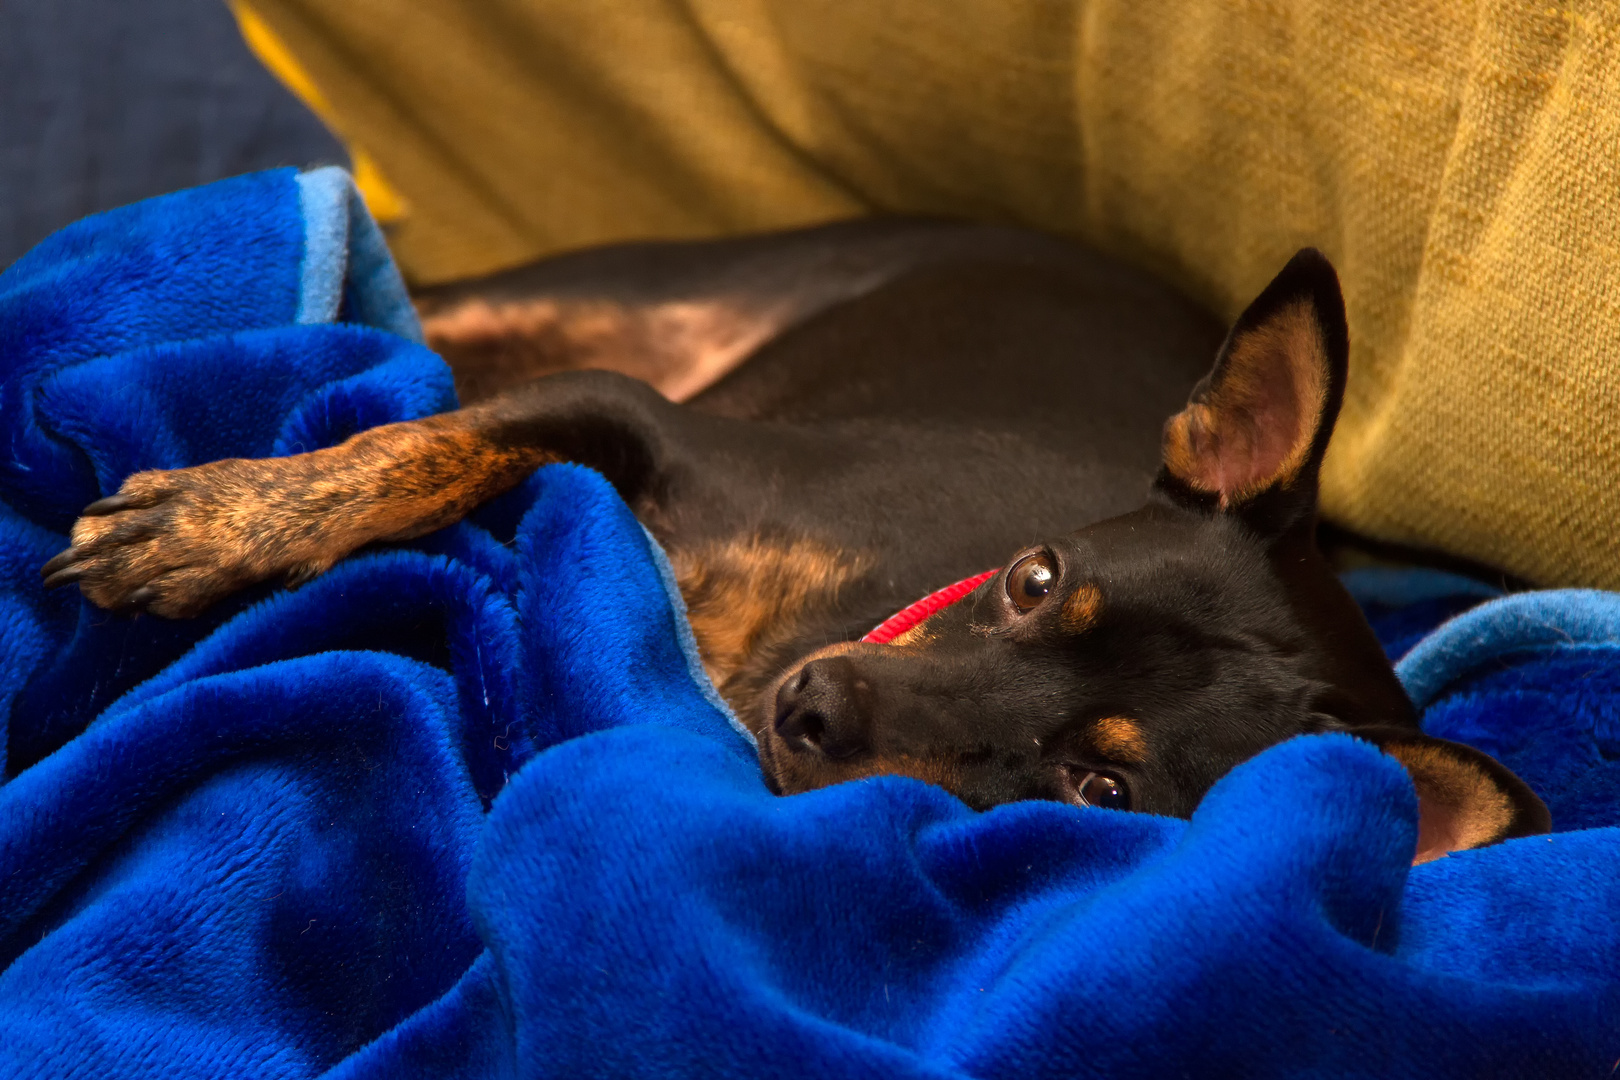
(193, 531)
(112, 504)
(64, 577)
(63, 569)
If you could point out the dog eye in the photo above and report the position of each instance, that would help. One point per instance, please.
(1030, 580)
(1103, 790)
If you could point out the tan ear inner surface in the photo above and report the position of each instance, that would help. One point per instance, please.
(1255, 429)
(1459, 805)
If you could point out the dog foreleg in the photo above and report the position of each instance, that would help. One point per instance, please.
(173, 542)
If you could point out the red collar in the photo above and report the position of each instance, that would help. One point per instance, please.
(901, 621)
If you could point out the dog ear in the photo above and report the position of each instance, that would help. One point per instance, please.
(1252, 436)
(1466, 798)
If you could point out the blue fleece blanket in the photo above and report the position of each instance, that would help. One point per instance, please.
(466, 807)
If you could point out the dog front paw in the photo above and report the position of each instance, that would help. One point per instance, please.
(174, 542)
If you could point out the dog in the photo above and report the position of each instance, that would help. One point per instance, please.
(822, 425)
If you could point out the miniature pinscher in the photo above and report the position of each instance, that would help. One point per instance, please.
(820, 427)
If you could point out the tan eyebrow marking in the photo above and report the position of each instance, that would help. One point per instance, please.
(1081, 609)
(1120, 738)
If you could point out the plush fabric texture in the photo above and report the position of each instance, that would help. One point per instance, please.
(465, 807)
(1454, 159)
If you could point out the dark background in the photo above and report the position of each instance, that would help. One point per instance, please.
(103, 102)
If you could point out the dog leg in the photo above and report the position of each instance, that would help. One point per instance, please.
(681, 315)
(174, 542)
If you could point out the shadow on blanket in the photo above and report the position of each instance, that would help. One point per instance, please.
(461, 807)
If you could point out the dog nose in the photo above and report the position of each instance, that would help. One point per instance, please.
(824, 707)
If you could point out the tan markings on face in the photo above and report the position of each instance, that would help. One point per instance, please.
(680, 347)
(1120, 739)
(741, 594)
(1255, 429)
(795, 773)
(1468, 809)
(1082, 609)
(929, 770)
(916, 637)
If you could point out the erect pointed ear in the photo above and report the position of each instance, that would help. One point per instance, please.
(1252, 436)
(1466, 798)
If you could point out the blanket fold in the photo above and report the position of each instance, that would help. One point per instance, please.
(466, 807)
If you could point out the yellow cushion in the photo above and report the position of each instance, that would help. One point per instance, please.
(1457, 161)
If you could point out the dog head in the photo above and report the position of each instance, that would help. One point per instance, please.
(1131, 664)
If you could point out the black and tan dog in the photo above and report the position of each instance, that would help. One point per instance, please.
(919, 402)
